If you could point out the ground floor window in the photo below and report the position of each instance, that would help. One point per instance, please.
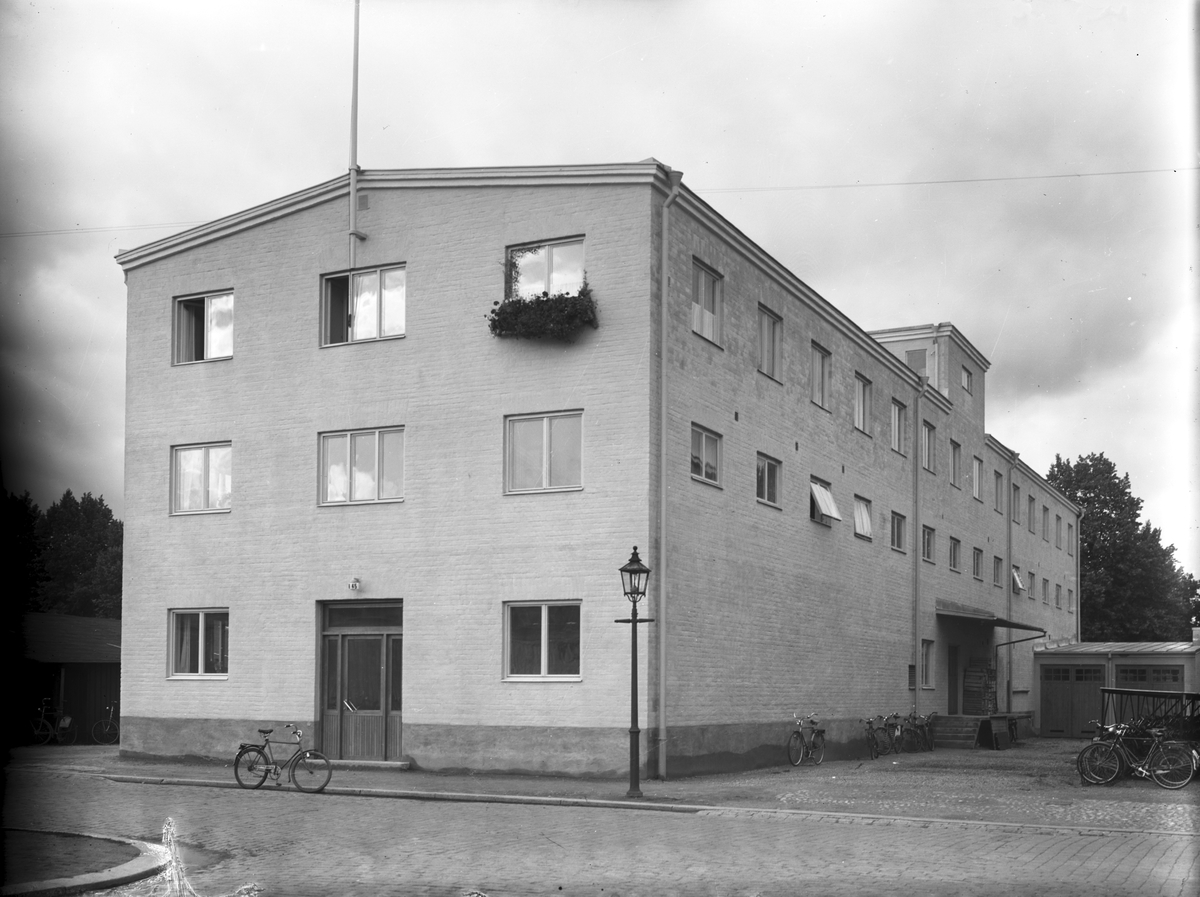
(200, 643)
(541, 641)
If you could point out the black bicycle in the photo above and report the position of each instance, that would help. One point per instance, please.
(54, 724)
(307, 770)
(107, 730)
(806, 741)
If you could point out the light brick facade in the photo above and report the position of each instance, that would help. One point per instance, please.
(760, 609)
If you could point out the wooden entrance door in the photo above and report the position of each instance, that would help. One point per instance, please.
(1070, 700)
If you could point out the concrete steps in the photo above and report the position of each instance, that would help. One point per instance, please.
(955, 731)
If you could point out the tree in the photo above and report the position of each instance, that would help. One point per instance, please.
(22, 552)
(81, 555)
(1131, 588)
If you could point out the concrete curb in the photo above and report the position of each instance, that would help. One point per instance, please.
(698, 809)
(152, 860)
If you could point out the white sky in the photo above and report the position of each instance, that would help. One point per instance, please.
(123, 121)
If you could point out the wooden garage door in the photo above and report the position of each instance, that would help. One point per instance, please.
(1150, 678)
(1070, 699)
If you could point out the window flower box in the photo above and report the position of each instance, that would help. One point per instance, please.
(558, 316)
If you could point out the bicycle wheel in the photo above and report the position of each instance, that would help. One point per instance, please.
(106, 731)
(42, 731)
(817, 751)
(1170, 765)
(795, 748)
(311, 771)
(1099, 763)
(250, 767)
(929, 737)
(872, 747)
(883, 742)
(68, 733)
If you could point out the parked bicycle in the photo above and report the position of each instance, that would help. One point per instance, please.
(307, 770)
(53, 723)
(877, 738)
(807, 741)
(925, 728)
(1170, 764)
(107, 730)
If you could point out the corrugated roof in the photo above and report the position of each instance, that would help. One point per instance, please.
(1121, 648)
(58, 638)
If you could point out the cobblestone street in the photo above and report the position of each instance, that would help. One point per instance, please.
(771, 832)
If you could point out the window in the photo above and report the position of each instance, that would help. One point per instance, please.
(1058, 531)
(767, 481)
(706, 302)
(955, 464)
(967, 380)
(899, 426)
(203, 328)
(364, 305)
(1045, 589)
(926, 663)
(545, 452)
(862, 403)
(955, 551)
(1045, 524)
(898, 541)
(1070, 601)
(927, 544)
(1057, 595)
(820, 376)
(977, 563)
(1032, 513)
(203, 478)
(862, 517)
(363, 465)
(1018, 584)
(706, 455)
(769, 329)
(821, 506)
(1071, 539)
(977, 478)
(200, 643)
(545, 269)
(999, 482)
(928, 445)
(1016, 503)
(541, 641)
(997, 571)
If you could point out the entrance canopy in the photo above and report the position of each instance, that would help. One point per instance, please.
(946, 608)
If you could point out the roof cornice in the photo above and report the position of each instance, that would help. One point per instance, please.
(919, 331)
(1001, 449)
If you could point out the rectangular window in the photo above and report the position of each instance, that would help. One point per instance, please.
(928, 445)
(821, 506)
(1016, 503)
(767, 480)
(364, 305)
(541, 641)
(1071, 539)
(926, 663)
(203, 477)
(203, 328)
(997, 571)
(1018, 584)
(977, 563)
(1032, 513)
(977, 478)
(1058, 531)
(820, 375)
(955, 551)
(862, 517)
(706, 302)
(200, 643)
(899, 426)
(706, 455)
(769, 329)
(362, 466)
(967, 379)
(545, 269)
(1070, 601)
(544, 452)
(862, 403)
(927, 547)
(999, 483)
(1045, 589)
(898, 539)
(955, 464)
(1057, 595)
(1045, 524)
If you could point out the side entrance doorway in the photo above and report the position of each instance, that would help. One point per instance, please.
(362, 646)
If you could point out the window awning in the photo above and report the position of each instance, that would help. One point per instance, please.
(945, 608)
(824, 499)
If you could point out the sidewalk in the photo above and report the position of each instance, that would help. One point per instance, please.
(1032, 785)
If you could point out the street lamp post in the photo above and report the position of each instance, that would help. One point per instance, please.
(633, 580)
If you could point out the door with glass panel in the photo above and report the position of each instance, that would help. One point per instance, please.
(361, 670)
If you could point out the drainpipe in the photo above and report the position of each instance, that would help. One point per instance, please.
(1008, 551)
(663, 284)
(1078, 575)
(354, 235)
(917, 431)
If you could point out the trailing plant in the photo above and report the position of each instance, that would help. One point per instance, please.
(556, 317)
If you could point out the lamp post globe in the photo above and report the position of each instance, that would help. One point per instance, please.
(633, 577)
